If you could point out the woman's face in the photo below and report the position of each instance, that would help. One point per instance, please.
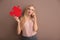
(30, 10)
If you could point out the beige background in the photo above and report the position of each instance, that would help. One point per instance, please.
(48, 16)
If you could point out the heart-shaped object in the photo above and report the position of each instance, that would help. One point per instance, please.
(16, 11)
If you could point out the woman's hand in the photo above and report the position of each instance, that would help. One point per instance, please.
(17, 18)
(34, 15)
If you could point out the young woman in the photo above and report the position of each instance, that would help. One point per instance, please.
(28, 24)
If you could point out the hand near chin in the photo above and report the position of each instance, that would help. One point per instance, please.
(34, 15)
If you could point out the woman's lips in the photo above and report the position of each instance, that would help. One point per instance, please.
(28, 12)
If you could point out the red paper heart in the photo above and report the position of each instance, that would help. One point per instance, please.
(16, 11)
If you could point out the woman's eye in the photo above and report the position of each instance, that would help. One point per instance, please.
(28, 8)
(32, 9)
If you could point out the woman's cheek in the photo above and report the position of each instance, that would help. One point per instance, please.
(30, 13)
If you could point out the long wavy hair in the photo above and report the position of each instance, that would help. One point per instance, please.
(25, 11)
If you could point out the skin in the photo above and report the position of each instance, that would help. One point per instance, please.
(27, 16)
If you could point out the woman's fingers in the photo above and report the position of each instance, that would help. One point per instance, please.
(16, 18)
(34, 15)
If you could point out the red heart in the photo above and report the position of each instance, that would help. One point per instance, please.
(16, 11)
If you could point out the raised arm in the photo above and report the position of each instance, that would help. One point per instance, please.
(35, 26)
(18, 26)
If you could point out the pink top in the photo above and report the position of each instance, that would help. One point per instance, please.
(28, 29)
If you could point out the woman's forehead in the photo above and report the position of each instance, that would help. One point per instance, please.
(31, 7)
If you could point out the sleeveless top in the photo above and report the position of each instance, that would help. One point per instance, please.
(28, 29)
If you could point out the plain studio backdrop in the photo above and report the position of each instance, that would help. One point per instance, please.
(48, 19)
